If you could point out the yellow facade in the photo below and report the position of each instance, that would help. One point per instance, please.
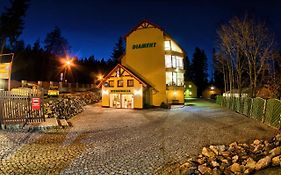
(154, 57)
(122, 95)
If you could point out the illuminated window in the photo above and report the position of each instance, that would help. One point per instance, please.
(167, 45)
(169, 78)
(179, 62)
(120, 83)
(130, 83)
(168, 61)
(174, 61)
(179, 79)
(174, 79)
(111, 83)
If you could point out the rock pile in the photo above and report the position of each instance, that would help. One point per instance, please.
(70, 105)
(235, 158)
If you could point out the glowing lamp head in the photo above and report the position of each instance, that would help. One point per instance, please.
(104, 92)
(100, 77)
(212, 87)
(68, 63)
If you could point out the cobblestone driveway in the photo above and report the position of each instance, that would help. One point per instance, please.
(118, 141)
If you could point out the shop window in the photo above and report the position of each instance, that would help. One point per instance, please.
(111, 83)
(120, 83)
(130, 83)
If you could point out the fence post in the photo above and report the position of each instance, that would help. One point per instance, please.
(264, 111)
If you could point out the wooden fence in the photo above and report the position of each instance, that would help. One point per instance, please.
(16, 108)
(266, 111)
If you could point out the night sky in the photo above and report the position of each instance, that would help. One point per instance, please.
(93, 27)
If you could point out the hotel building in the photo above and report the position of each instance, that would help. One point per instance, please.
(151, 71)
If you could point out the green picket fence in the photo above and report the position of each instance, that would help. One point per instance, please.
(267, 111)
(258, 107)
(273, 112)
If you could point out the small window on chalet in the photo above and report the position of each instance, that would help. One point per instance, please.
(120, 83)
(111, 83)
(130, 83)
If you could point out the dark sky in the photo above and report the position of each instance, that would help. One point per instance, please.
(92, 27)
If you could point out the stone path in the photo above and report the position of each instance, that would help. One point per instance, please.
(119, 141)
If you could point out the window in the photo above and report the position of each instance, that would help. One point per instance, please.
(180, 79)
(167, 45)
(169, 79)
(130, 83)
(179, 62)
(120, 83)
(174, 79)
(111, 83)
(168, 61)
(172, 61)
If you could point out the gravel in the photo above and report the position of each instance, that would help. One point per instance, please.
(119, 141)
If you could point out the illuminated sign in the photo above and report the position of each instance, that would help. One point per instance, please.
(120, 91)
(144, 45)
(5, 70)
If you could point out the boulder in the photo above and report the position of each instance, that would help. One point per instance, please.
(235, 167)
(262, 163)
(207, 152)
(276, 161)
(250, 163)
(275, 152)
(203, 169)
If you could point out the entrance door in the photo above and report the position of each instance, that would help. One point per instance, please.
(127, 101)
(115, 100)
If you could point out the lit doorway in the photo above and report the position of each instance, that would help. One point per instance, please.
(127, 101)
(122, 101)
(115, 100)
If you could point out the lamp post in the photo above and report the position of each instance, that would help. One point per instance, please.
(67, 65)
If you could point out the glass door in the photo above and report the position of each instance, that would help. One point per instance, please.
(127, 101)
(115, 100)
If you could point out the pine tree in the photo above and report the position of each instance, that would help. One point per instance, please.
(198, 70)
(11, 23)
(55, 43)
(118, 51)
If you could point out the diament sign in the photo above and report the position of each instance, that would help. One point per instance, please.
(144, 45)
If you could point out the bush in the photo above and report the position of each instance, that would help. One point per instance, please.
(165, 106)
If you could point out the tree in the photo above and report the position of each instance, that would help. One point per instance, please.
(187, 74)
(245, 45)
(11, 23)
(118, 51)
(218, 75)
(198, 70)
(55, 43)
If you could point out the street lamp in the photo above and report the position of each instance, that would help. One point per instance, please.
(67, 65)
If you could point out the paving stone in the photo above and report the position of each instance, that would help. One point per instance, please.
(117, 141)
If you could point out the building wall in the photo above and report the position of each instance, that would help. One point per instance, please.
(136, 91)
(190, 90)
(148, 63)
(175, 95)
(208, 92)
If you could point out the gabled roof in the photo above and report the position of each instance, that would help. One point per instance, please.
(148, 24)
(127, 70)
(144, 24)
